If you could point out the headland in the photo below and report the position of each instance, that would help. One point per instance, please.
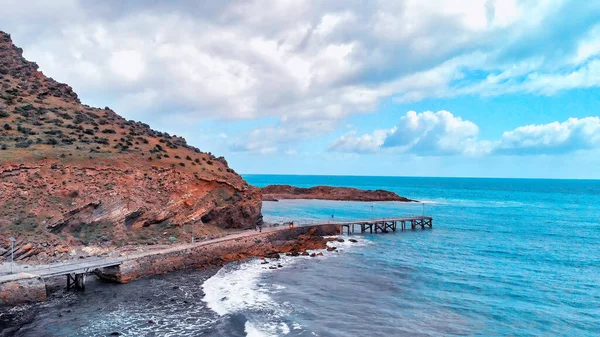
(281, 192)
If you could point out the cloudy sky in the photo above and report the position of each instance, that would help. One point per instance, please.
(493, 88)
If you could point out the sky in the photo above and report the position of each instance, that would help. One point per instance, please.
(468, 88)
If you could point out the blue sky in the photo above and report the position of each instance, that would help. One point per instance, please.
(477, 88)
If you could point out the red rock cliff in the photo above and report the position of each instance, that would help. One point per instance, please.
(71, 174)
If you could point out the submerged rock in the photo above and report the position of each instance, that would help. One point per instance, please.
(273, 255)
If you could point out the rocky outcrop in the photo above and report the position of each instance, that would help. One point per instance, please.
(267, 245)
(73, 175)
(26, 290)
(279, 192)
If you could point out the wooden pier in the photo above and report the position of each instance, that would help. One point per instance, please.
(385, 225)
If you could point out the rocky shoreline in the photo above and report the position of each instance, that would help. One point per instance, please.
(282, 192)
(268, 244)
(262, 245)
(65, 303)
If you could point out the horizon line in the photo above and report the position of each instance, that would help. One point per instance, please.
(392, 176)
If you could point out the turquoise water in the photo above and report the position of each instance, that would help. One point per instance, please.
(506, 257)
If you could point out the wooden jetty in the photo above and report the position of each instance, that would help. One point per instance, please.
(384, 225)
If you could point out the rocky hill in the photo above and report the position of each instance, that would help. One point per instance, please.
(279, 192)
(73, 175)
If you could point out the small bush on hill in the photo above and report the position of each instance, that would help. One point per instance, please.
(25, 131)
(23, 144)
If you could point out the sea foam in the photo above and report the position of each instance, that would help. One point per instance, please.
(240, 288)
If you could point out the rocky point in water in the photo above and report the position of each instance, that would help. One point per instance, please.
(280, 192)
(72, 175)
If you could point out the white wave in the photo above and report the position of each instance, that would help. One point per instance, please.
(237, 288)
(253, 331)
(433, 201)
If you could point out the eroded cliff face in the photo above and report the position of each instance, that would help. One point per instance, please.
(75, 175)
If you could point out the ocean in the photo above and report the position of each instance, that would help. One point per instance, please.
(505, 257)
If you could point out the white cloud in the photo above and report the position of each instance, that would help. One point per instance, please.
(302, 62)
(426, 133)
(588, 75)
(553, 138)
(236, 60)
(280, 138)
(441, 133)
(588, 47)
(434, 133)
(128, 64)
(367, 143)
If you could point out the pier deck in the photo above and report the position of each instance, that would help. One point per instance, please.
(381, 225)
